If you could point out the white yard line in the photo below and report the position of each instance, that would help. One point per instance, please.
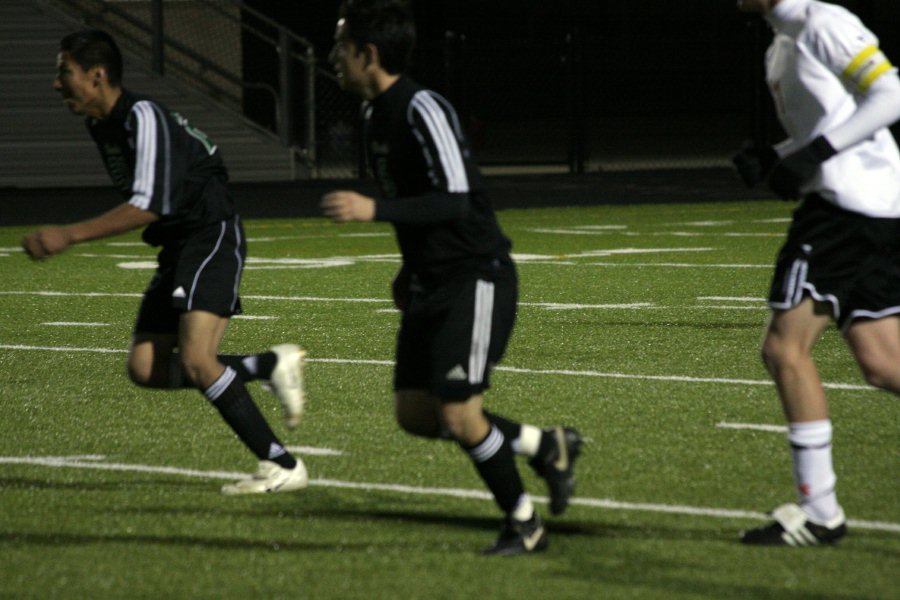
(313, 451)
(563, 306)
(722, 513)
(679, 265)
(567, 372)
(74, 324)
(545, 305)
(255, 317)
(675, 378)
(753, 426)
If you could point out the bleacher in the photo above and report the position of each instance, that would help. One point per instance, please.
(43, 145)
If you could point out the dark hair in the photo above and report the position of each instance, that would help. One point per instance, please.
(93, 47)
(386, 24)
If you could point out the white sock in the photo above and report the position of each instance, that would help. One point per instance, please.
(813, 471)
(524, 509)
(528, 442)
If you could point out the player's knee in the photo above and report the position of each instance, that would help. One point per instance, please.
(417, 422)
(465, 427)
(200, 369)
(881, 374)
(417, 427)
(777, 355)
(142, 374)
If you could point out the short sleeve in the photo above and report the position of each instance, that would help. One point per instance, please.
(850, 51)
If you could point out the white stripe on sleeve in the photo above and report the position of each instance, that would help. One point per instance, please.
(145, 159)
(444, 138)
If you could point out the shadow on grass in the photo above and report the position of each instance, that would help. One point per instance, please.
(22, 483)
(81, 539)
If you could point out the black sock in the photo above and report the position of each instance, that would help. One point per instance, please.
(494, 459)
(231, 398)
(265, 363)
(511, 430)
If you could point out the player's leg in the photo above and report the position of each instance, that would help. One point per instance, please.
(876, 345)
(470, 337)
(200, 334)
(418, 412)
(551, 453)
(787, 354)
(205, 276)
(153, 360)
(493, 457)
(206, 280)
(148, 359)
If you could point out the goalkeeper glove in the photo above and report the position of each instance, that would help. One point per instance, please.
(754, 162)
(796, 169)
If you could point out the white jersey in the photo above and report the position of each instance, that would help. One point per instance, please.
(821, 62)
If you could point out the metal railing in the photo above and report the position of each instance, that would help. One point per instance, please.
(205, 43)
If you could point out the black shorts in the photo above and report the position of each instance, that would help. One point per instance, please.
(203, 273)
(451, 337)
(846, 259)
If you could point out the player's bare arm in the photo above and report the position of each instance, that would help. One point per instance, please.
(54, 240)
(343, 206)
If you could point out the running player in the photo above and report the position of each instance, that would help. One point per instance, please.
(457, 287)
(836, 94)
(173, 181)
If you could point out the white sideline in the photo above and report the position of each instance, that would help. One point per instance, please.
(80, 462)
(600, 374)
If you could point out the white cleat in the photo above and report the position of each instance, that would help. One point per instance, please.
(287, 381)
(270, 477)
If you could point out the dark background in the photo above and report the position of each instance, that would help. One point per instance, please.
(637, 57)
(605, 78)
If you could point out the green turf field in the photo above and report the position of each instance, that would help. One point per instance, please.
(638, 325)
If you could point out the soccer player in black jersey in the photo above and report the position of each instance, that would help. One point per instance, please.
(173, 181)
(457, 287)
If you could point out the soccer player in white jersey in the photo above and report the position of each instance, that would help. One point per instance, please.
(836, 95)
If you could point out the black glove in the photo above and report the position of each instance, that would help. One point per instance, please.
(754, 162)
(794, 170)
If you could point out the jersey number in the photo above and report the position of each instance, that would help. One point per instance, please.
(195, 133)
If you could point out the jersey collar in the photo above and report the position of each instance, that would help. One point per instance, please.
(789, 16)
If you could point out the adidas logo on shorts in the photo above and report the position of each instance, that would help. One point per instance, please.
(457, 373)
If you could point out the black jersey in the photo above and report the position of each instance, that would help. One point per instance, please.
(162, 164)
(430, 185)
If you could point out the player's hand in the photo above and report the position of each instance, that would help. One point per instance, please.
(754, 162)
(47, 242)
(796, 169)
(344, 206)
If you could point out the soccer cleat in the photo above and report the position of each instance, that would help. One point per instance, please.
(519, 537)
(270, 477)
(793, 527)
(287, 381)
(557, 466)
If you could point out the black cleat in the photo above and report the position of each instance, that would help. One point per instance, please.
(519, 537)
(558, 465)
(793, 527)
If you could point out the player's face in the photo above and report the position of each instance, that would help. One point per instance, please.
(79, 88)
(349, 62)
